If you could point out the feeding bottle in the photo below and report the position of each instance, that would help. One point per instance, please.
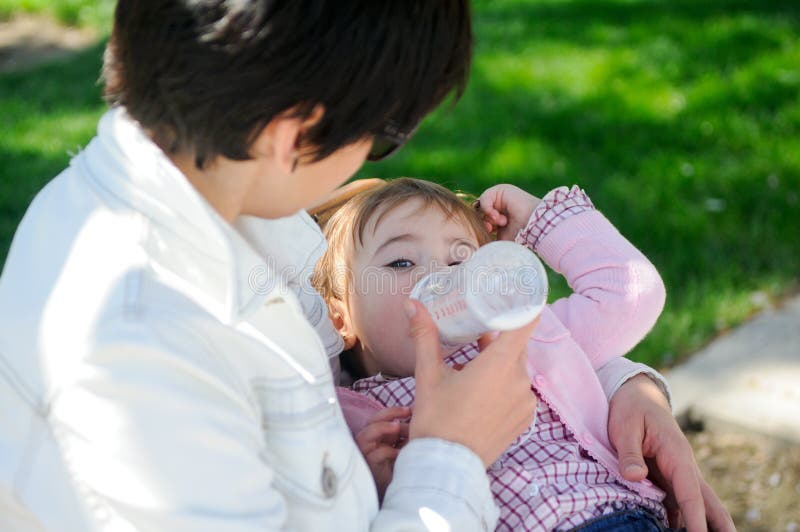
(502, 286)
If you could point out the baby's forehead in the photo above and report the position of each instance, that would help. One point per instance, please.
(389, 212)
(376, 222)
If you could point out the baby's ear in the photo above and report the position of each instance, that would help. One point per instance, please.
(340, 316)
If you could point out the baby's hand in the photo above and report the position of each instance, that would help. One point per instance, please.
(380, 442)
(506, 209)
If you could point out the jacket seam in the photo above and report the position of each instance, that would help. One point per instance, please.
(21, 387)
(31, 448)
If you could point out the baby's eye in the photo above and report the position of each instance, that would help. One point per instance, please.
(400, 264)
(455, 263)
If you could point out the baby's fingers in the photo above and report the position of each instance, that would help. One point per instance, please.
(491, 215)
(374, 434)
(493, 206)
(381, 454)
(390, 413)
(500, 220)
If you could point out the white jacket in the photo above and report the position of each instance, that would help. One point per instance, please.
(157, 371)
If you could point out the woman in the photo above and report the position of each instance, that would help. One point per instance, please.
(158, 372)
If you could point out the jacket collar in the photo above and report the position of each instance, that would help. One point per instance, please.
(231, 270)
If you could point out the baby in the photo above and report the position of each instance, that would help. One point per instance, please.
(562, 472)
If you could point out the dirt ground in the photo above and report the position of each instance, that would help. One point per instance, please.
(757, 478)
(26, 41)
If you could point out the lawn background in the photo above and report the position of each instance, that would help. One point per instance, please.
(680, 118)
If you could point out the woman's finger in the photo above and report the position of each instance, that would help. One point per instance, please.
(492, 392)
(719, 520)
(690, 501)
(486, 338)
(510, 343)
(627, 436)
(429, 366)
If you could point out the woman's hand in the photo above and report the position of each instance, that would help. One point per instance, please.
(380, 442)
(485, 405)
(506, 209)
(640, 424)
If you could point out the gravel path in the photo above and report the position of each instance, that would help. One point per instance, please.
(758, 478)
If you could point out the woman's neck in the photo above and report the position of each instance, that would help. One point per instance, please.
(220, 183)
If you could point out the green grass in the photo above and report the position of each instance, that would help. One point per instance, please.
(88, 13)
(46, 114)
(680, 118)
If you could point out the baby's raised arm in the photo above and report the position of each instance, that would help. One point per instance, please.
(618, 294)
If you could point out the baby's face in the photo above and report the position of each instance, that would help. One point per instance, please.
(409, 241)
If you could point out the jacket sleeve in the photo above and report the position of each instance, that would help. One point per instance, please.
(437, 485)
(618, 294)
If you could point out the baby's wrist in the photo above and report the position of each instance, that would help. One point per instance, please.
(533, 203)
(555, 207)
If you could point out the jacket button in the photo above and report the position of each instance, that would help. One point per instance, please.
(540, 381)
(328, 482)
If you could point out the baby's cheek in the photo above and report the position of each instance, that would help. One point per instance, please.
(391, 324)
(391, 317)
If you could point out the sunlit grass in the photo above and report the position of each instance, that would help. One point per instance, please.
(680, 119)
(47, 113)
(88, 13)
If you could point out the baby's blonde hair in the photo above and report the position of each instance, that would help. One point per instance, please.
(345, 228)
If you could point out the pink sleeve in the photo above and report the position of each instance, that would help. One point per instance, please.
(357, 408)
(618, 294)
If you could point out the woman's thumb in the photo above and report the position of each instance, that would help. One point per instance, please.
(425, 335)
(631, 462)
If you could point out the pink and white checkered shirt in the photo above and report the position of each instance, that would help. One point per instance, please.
(545, 480)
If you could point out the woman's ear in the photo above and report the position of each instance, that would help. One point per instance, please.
(281, 137)
(341, 321)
